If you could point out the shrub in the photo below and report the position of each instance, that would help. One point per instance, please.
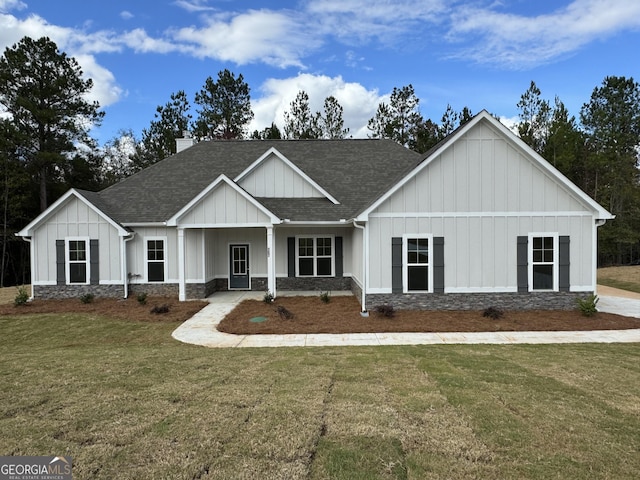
(87, 298)
(142, 298)
(284, 313)
(22, 297)
(268, 297)
(385, 310)
(325, 297)
(159, 309)
(588, 305)
(493, 313)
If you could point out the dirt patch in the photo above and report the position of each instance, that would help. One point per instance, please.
(342, 315)
(129, 309)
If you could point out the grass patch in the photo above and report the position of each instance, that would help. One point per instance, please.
(126, 401)
(624, 278)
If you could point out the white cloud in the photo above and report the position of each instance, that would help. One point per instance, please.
(74, 42)
(359, 104)
(8, 5)
(193, 5)
(273, 38)
(126, 15)
(519, 42)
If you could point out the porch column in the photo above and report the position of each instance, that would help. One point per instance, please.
(182, 288)
(271, 270)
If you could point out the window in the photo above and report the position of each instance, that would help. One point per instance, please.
(155, 260)
(543, 262)
(77, 261)
(417, 261)
(315, 256)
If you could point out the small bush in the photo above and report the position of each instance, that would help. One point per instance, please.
(588, 305)
(325, 297)
(284, 313)
(87, 298)
(142, 298)
(268, 297)
(385, 310)
(493, 313)
(159, 309)
(22, 297)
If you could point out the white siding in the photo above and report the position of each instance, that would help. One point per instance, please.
(194, 255)
(356, 256)
(223, 206)
(136, 262)
(218, 249)
(273, 178)
(209, 254)
(76, 219)
(481, 194)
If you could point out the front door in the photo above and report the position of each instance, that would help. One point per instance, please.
(238, 267)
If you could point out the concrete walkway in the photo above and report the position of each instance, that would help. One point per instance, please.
(201, 328)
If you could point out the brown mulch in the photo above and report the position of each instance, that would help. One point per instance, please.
(342, 315)
(129, 309)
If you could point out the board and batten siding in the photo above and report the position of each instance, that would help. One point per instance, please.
(223, 206)
(221, 239)
(136, 261)
(273, 178)
(480, 194)
(76, 219)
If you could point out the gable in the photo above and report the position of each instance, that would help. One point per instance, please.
(274, 176)
(73, 212)
(223, 204)
(485, 169)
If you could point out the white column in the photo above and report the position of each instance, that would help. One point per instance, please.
(271, 270)
(182, 287)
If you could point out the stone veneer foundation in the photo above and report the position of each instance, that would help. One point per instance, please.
(478, 301)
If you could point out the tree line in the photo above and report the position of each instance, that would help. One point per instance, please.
(46, 146)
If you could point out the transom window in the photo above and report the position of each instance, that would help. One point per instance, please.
(315, 256)
(78, 261)
(155, 260)
(543, 262)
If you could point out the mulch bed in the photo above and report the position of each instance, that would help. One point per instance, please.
(129, 309)
(342, 315)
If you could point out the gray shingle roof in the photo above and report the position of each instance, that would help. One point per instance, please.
(355, 172)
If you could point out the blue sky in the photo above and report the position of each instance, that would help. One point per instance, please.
(475, 53)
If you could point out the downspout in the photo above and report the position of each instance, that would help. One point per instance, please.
(364, 266)
(123, 261)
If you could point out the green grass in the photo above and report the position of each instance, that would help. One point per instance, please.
(126, 401)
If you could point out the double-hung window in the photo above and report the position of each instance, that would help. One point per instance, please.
(155, 260)
(417, 263)
(315, 256)
(543, 261)
(77, 261)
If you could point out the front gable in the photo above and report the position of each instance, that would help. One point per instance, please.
(485, 169)
(223, 203)
(274, 176)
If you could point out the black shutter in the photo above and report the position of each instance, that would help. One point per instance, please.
(563, 263)
(291, 256)
(94, 261)
(522, 262)
(339, 264)
(438, 264)
(61, 278)
(396, 265)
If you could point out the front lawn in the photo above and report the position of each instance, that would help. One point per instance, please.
(126, 401)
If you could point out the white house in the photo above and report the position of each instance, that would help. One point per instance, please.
(480, 220)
